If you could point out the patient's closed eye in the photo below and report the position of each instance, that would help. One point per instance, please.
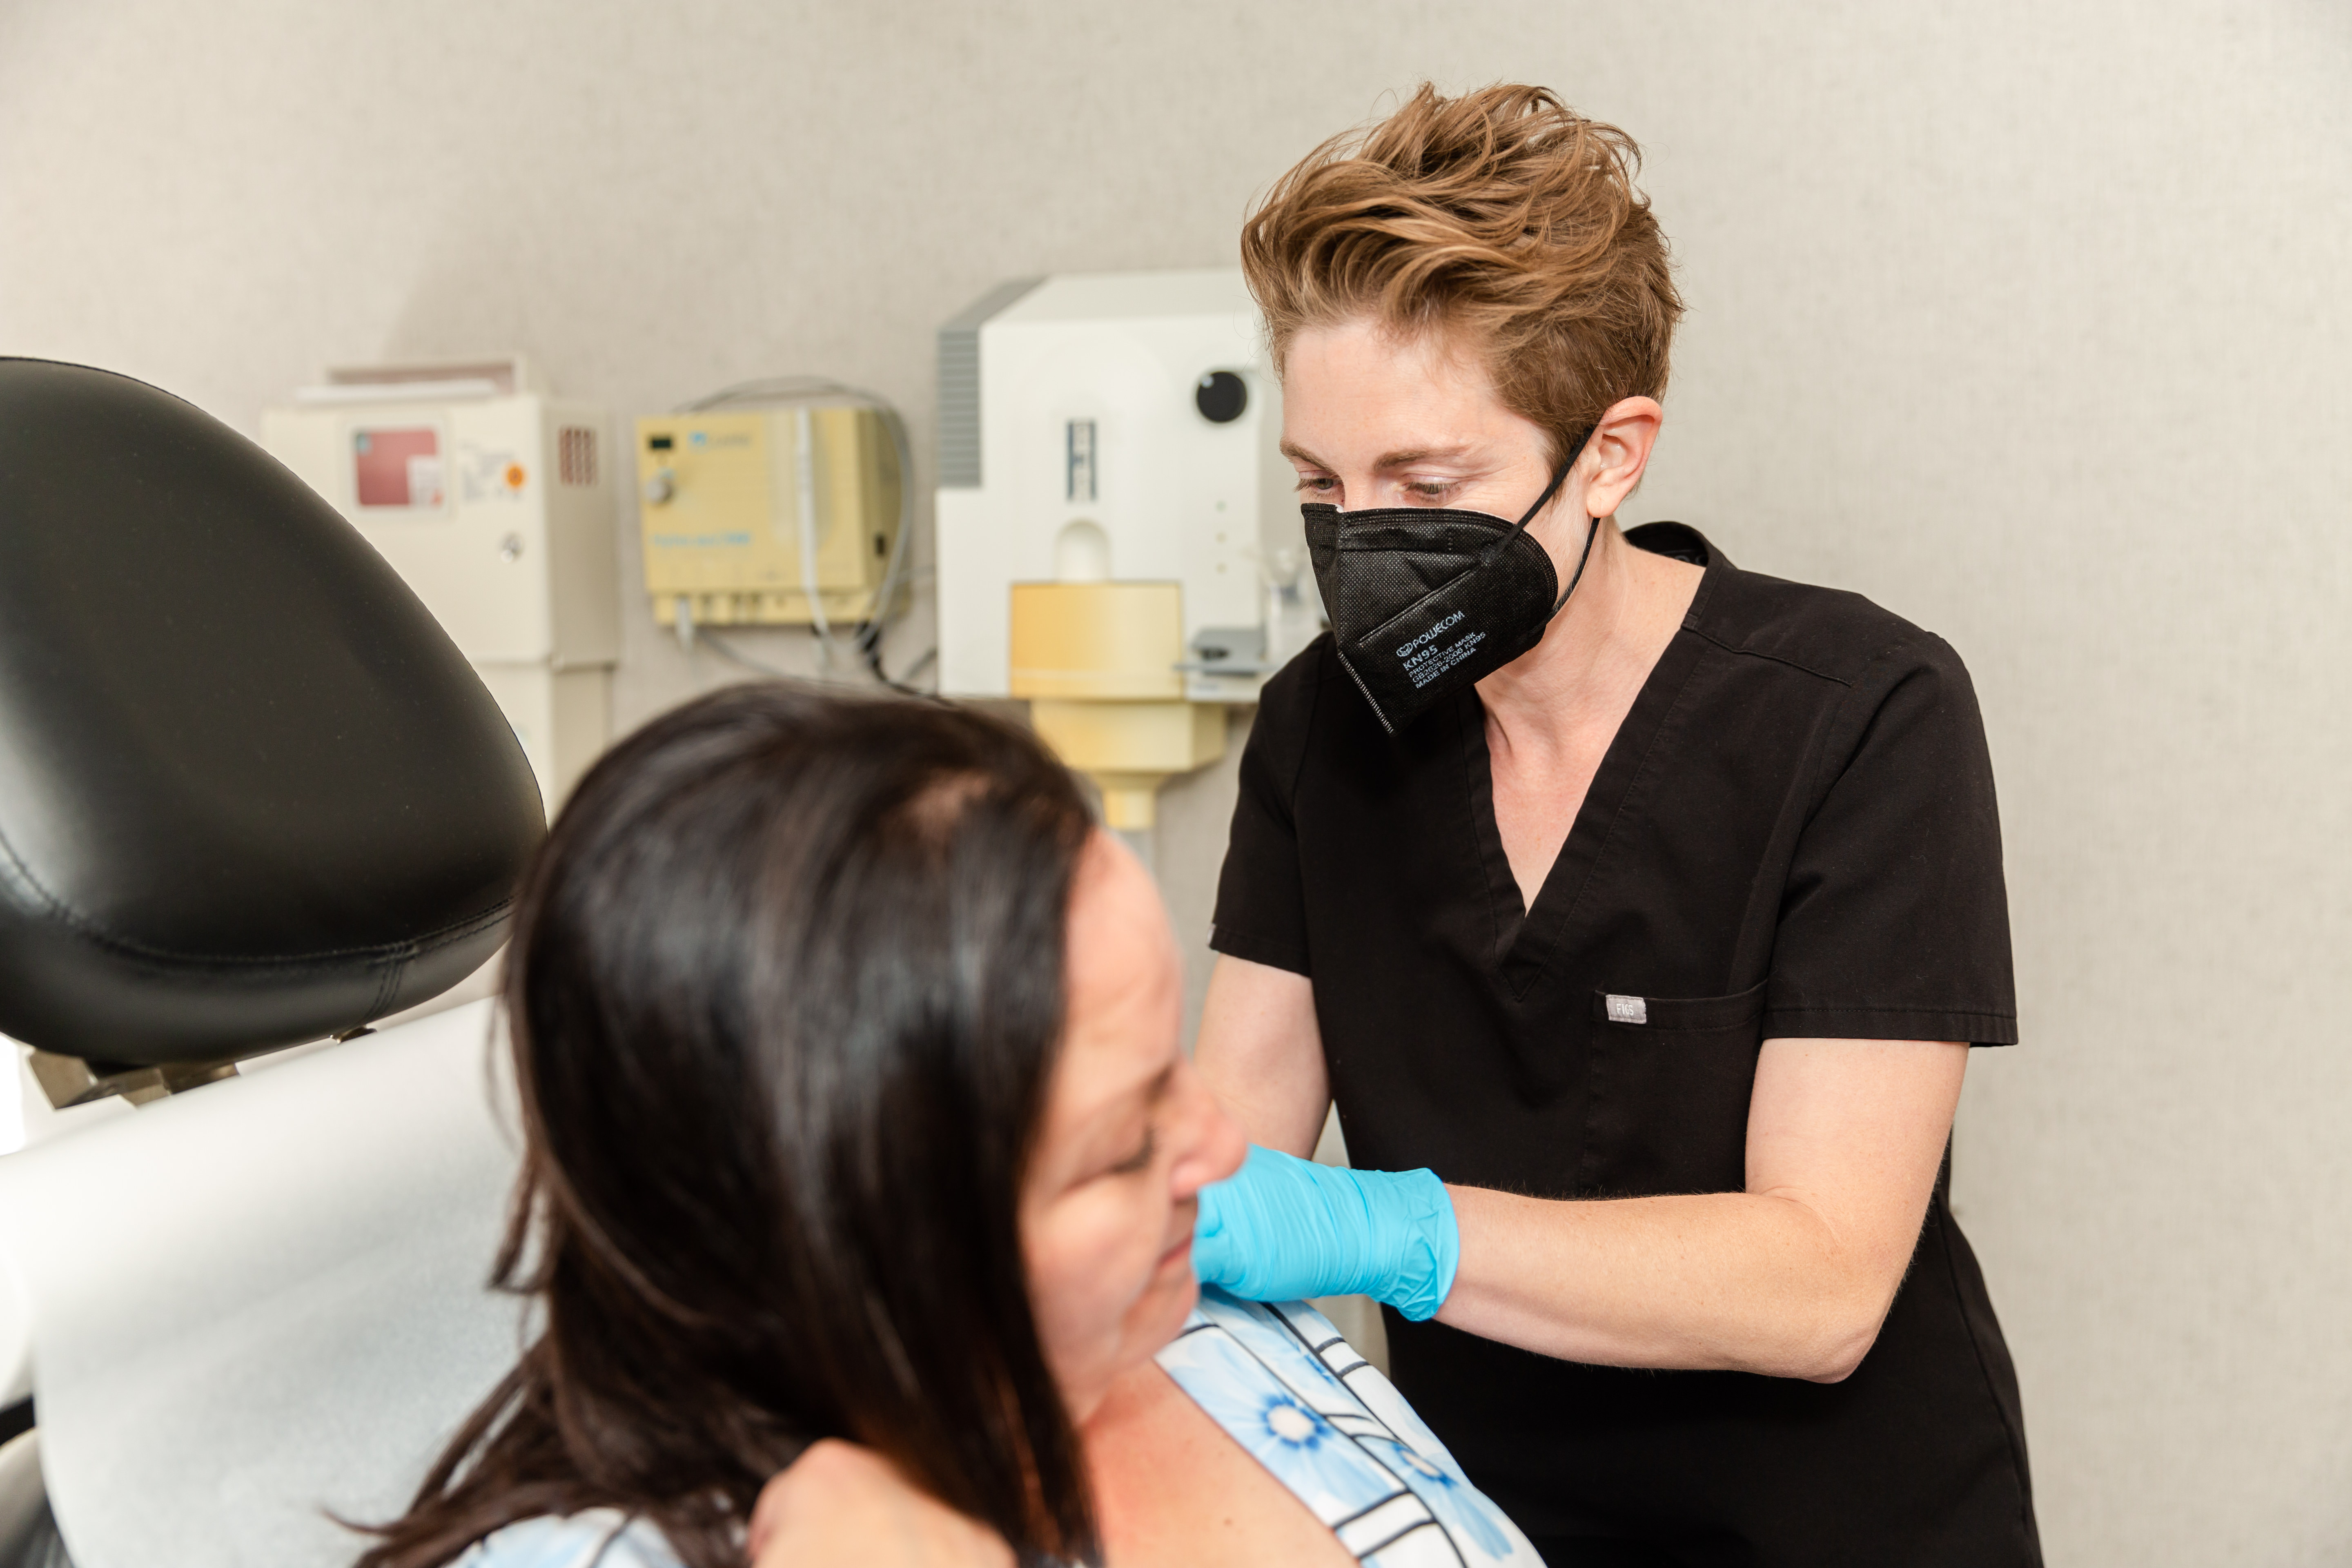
(1141, 1158)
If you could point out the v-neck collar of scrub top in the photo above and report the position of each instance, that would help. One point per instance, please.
(1525, 938)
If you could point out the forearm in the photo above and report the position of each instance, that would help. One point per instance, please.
(1734, 1282)
(1291, 1121)
(1791, 1279)
(1261, 1056)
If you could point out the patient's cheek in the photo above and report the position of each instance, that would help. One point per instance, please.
(1094, 1282)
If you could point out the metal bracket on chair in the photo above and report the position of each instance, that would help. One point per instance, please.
(71, 1081)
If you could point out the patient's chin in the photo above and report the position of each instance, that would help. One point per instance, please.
(1095, 1350)
(1163, 1309)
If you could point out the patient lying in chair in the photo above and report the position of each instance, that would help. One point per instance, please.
(860, 1177)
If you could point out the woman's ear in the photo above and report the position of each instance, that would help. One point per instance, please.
(1618, 452)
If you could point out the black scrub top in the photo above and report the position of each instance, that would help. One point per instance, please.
(1793, 835)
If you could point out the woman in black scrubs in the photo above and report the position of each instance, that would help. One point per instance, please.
(1637, 911)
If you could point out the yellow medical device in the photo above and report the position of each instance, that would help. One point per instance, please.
(1102, 667)
(743, 509)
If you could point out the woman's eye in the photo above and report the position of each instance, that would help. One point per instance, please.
(1141, 1159)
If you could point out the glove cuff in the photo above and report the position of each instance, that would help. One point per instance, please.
(1431, 1249)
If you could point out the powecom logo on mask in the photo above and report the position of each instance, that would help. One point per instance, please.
(1425, 663)
(1431, 635)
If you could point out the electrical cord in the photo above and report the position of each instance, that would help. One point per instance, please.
(805, 487)
(727, 651)
(694, 638)
(895, 575)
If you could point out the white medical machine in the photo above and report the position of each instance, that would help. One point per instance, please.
(1119, 536)
(493, 500)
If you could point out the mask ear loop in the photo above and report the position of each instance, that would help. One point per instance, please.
(1591, 527)
(1592, 532)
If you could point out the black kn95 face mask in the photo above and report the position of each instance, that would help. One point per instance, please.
(1424, 601)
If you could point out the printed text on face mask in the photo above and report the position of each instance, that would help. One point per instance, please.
(1429, 662)
(1431, 635)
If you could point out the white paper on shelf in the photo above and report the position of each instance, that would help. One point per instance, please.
(265, 1299)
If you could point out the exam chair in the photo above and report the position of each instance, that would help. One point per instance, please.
(251, 797)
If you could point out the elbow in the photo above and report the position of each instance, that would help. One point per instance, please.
(1823, 1339)
(1839, 1363)
(1838, 1340)
(1829, 1310)
(1814, 1315)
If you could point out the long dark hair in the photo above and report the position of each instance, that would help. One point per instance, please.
(785, 988)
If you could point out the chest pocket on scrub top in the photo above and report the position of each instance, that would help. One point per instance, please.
(1671, 1080)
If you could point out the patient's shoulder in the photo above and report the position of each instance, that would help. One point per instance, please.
(1172, 1487)
(1288, 1388)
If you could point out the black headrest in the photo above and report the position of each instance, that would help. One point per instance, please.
(250, 792)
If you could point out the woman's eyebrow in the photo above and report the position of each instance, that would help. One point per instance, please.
(1143, 1098)
(1415, 454)
(1398, 459)
(1147, 1094)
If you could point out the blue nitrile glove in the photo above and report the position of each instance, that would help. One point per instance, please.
(1282, 1227)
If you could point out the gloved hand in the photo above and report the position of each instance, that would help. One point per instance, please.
(1282, 1227)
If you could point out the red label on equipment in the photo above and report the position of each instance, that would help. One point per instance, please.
(397, 468)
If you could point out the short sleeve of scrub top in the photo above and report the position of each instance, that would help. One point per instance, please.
(1261, 912)
(1793, 835)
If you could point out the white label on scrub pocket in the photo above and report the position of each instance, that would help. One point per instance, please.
(1627, 1010)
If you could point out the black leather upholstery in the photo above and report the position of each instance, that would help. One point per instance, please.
(250, 794)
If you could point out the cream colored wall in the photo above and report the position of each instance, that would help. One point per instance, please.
(2028, 321)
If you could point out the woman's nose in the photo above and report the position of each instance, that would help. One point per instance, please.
(1213, 1147)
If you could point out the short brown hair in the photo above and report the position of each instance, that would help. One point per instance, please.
(1503, 215)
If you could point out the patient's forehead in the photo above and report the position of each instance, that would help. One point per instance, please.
(1123, 979)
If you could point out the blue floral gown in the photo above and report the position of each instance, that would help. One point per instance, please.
(1286, 1386)
(1331, 1428)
